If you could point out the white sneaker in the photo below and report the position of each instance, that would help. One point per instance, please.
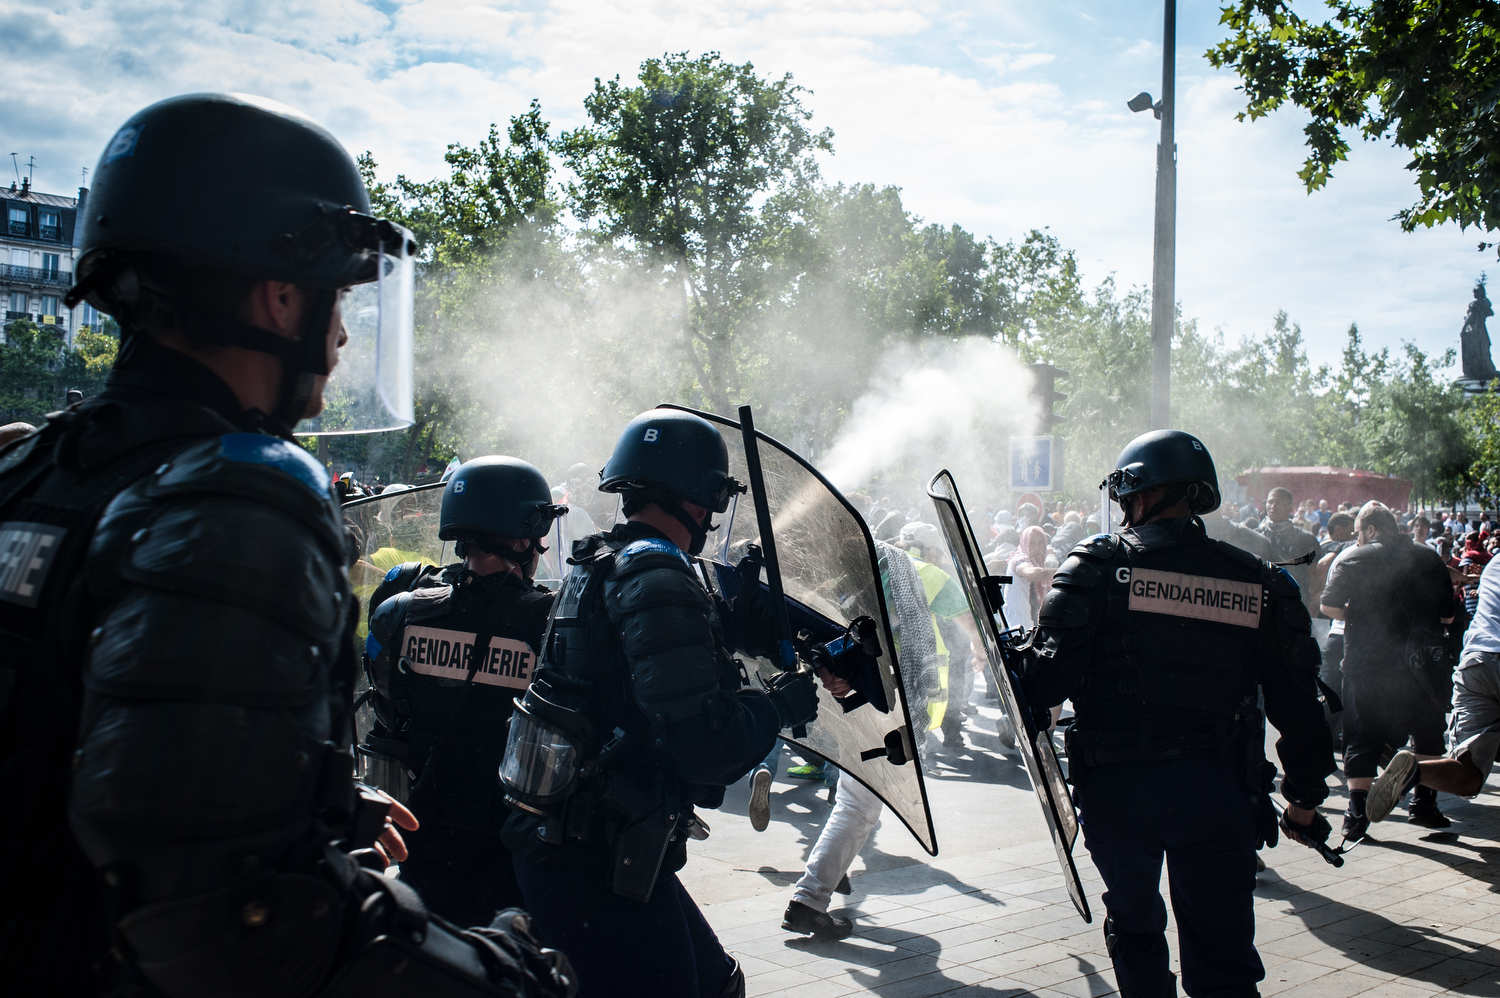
(1398, 777)
(760, 800)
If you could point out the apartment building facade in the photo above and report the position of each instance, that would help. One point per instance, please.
(37, 257)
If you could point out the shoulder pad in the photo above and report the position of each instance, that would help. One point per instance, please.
(386, 621)
(651, 552)
(1280, 582)
(1238, 554)
(1087, 565)
(257, 468)
(248, 456)
(1096, 546)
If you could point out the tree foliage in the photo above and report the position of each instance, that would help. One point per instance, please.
(37, 367)
(676, 166)
(1423, 73)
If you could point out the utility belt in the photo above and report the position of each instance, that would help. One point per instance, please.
(1238, 742)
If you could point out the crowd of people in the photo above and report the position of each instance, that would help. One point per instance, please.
(198, 811)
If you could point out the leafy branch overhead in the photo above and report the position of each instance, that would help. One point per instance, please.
(1424, 74)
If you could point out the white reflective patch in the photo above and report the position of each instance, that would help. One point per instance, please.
(1197, 596)
(435, 651)
(27, 551)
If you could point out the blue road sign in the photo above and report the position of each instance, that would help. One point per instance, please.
(1035, 463)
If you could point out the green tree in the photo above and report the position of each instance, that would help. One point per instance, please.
(1481, 416)
(495, 193)
(1423, 73)
(1413, 429)
(676, 167)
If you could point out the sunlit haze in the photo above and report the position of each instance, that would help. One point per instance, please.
(999, 117)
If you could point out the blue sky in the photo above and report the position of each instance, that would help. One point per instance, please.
(997, 116)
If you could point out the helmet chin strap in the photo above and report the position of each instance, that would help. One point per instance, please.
(698, 532)
(1174, 495)
(308, 360)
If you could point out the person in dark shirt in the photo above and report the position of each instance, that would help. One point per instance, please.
(1383, 589)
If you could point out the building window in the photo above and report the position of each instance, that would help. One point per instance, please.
(49, 264)
(18, 220)
(49, 306)
(18, 301)
(50, 226)
(88, 317)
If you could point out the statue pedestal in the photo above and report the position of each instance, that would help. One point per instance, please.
(1472, 386)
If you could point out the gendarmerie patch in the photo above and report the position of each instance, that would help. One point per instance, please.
(27, 551)
(436, 651)
(1198, 596)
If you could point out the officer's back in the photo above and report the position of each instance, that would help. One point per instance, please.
(449, 651)
(1164, 639)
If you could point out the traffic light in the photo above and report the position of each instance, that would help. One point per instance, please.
(1044, 391)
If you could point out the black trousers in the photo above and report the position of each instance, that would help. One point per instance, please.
(1382, 709)
(622, 948)
(463, 876)
(1193, 813)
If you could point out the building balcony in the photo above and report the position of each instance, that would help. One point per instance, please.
(52, 232)
(38, 318)
(35, 275)
(19, 228)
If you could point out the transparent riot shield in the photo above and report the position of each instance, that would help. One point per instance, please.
(830, 572)
(1034, 745)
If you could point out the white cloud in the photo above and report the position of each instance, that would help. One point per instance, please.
(999, 117)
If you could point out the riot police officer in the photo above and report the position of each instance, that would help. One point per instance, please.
(448, 651)
(637, 715)
(176, 616)
(1161, 637)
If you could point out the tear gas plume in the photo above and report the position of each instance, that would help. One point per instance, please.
(948, 404)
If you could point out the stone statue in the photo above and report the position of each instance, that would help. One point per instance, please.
(1474, 341)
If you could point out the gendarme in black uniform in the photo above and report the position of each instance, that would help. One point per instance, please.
(1162, 638)
(176, 690)
(447, 655)
(638, 714)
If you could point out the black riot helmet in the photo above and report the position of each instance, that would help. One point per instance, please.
(248, 189)
(669, 457)
(1171, 458)
(496, 497)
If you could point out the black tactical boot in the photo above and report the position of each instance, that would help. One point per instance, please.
(1423, 810)
(809, 921)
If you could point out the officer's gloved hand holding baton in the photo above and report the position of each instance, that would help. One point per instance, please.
(795, 697)
(1307, 827)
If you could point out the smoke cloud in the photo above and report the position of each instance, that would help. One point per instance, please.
(947, 404)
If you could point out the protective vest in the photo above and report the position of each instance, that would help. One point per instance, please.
(123, 528)
(1176, 646)
(629, 598)
(446, 658)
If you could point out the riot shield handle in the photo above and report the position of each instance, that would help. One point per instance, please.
(780, 623)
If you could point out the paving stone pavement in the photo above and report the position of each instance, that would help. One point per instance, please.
(1412, 913)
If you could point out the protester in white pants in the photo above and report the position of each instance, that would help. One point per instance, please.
(856, 811)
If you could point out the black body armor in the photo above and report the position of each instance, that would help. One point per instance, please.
(441, 709)
(174, 715)
(1161, 636)
(636, 648)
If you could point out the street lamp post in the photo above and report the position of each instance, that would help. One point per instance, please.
(1164, 257)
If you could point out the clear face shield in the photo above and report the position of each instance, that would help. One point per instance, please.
(371, 388)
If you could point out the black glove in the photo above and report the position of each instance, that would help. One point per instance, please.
(795, 697)
(1312, 835)
(515, 957)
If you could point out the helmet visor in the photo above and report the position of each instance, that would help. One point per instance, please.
(371, 388)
